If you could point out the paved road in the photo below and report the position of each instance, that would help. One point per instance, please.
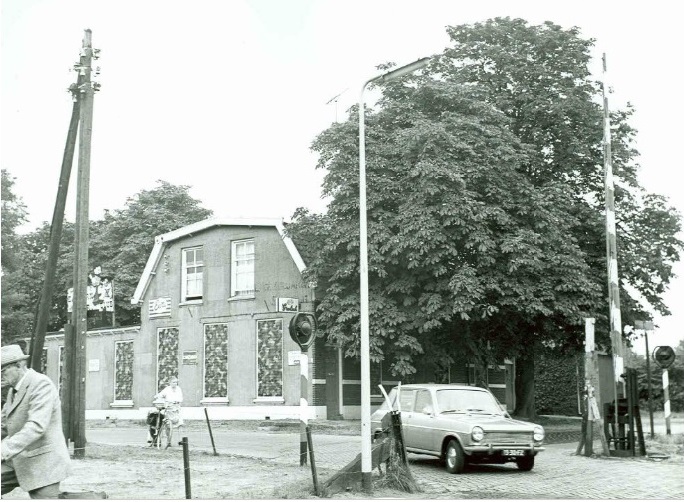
(558, 473)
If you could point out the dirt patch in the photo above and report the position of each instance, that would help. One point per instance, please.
(126, 472)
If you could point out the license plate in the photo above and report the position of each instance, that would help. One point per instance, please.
(513, 453)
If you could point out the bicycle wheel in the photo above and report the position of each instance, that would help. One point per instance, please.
(162, 436)
(168, 432)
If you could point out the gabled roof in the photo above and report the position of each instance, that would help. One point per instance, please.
(161, 240)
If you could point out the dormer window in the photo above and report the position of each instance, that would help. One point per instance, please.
(192, 281)
(242, 270)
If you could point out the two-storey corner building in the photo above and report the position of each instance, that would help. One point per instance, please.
(216, 299)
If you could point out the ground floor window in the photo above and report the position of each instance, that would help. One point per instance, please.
(270, 358)
(123, 370)
(216, 360)
(167, 356)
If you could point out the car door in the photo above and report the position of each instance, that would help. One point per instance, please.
(423, 421)
(406, 400)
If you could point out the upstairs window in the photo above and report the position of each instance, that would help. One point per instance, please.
(242, 269)
(192, 281)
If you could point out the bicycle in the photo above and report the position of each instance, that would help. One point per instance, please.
(170, 422)
(159, 421)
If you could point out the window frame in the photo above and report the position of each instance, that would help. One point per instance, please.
(185, 298)
(216, 399)
(270, 399)
(250, 293)
(123, 403)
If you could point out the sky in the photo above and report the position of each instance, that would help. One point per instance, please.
(227, 96)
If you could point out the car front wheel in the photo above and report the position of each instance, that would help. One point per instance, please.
(525, 463)
(454, 458)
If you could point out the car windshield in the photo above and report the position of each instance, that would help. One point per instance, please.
(393, 398)
(467, 401)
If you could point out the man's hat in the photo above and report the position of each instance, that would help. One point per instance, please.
(12, 354)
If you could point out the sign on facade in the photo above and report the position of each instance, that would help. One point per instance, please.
(94, 365)
(190, 357)
(293, 357)
(159, 307)
(288, 305)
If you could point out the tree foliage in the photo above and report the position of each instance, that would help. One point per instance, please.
(460, 239)
(13, 215)
(539, 77)
(485, 206)
(120, 243)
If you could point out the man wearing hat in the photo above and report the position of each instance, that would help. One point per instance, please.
(34, 452)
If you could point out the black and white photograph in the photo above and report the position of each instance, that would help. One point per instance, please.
(325, 249)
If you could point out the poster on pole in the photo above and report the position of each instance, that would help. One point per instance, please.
(99, 299)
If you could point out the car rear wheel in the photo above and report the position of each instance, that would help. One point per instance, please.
(454, 458)
(525, 463)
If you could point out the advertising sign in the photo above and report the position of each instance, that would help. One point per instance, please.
(99, 294)
(189, 357)
(159, 307)
(288, 305)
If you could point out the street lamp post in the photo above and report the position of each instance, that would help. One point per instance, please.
(366, 462)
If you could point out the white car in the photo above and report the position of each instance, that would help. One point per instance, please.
(461, 424)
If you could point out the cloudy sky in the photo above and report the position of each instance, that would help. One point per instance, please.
(226, 96)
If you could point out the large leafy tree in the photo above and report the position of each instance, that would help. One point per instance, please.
(539, 77)
(14, 214)
(485, 200)
(463, 246)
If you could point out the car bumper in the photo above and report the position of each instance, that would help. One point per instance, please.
(496, 449)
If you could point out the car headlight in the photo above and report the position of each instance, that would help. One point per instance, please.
(477, 433)
(538, 433)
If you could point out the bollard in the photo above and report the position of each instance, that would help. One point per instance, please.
(666, 401)
(211, 434)
(314, 473)
(186, 466)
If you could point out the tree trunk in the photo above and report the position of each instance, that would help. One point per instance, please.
(524, 385)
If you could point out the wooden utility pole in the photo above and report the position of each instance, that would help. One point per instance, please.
(611, 249)
(80, 313)
(45, 304)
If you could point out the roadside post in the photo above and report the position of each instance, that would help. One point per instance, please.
(591, 409)
(647, 326)
(664, 356)
(303, 331)
(211, 434)
(186, 466)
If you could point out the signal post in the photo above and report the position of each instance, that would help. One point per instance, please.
(303, 331)
(664, 356)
